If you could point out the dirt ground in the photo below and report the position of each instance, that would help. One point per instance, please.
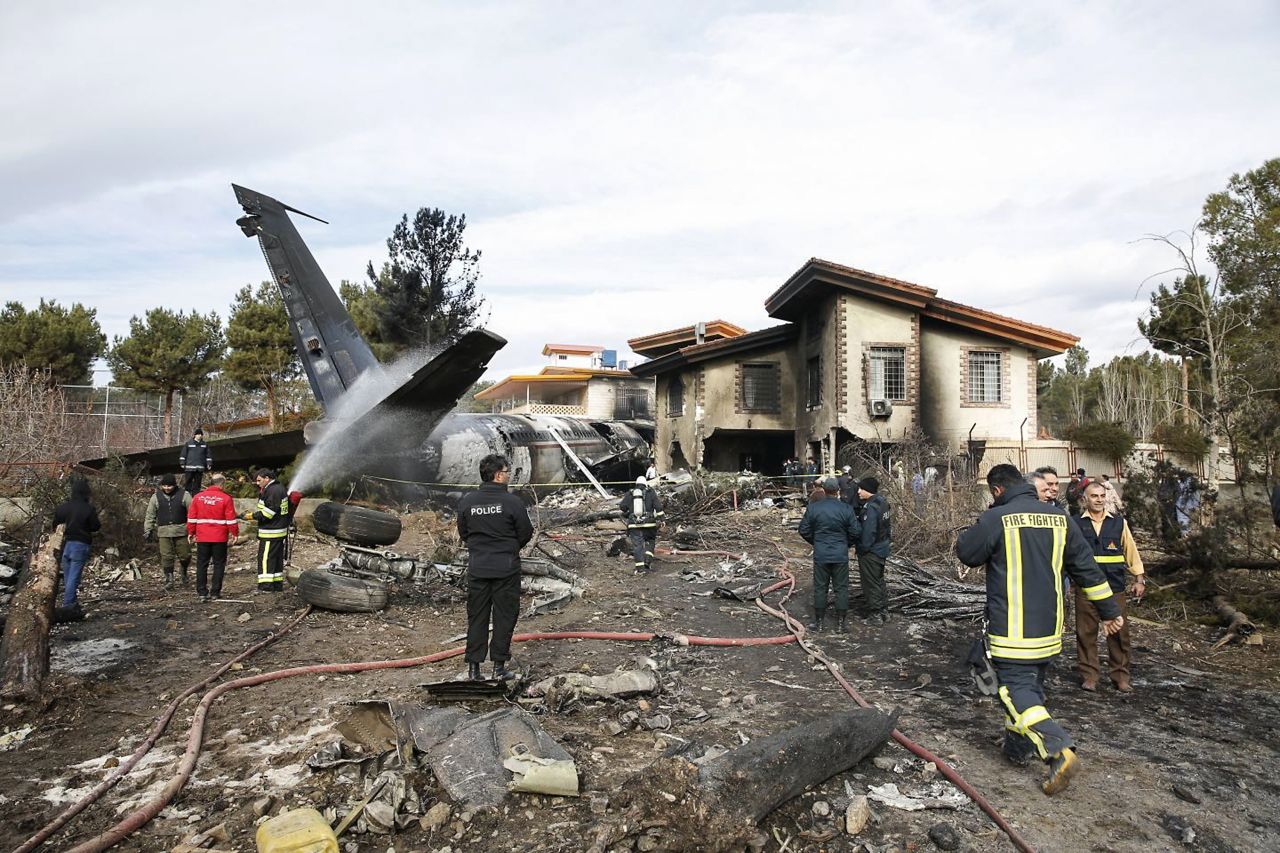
(1188, 762)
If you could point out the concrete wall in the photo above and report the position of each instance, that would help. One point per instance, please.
(863, 324)
(946, 415)
(602, 393)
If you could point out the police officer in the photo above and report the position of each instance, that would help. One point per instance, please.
(873, 549)
(643, 512)
(273, 517)
(1023, 541)
(830, 526)
(495, 525)
(195, 459)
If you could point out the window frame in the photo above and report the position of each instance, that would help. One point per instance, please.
(813, 380)
(875, 350)
(774, 370)
(676, 381)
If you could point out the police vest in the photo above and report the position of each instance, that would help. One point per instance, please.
(170, 508)
(1107, 549)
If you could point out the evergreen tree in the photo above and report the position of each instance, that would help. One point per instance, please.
(169, 353)
(261, 353)
(428, 286)
(63, 341)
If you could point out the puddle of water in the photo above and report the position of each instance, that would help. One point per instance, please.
(85, 657)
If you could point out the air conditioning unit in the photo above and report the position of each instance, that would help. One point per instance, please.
(880, 408)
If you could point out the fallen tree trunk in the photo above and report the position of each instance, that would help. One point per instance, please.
(26, 630)
(716, 807)
(1239, 626)
(1170, 564)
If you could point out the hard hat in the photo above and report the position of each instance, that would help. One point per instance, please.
(641, 481)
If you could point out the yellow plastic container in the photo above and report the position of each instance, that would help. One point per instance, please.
(298, 831)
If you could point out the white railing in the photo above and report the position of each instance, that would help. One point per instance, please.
(536, 408)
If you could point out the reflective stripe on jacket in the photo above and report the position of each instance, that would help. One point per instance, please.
(1025, 545)
(641, 507)
(1107, 547)
(212, 516)
(272, 512)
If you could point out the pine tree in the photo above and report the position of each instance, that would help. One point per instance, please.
(62, 341)
(261, 352)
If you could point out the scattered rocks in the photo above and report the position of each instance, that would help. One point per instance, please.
(857, 815)
(929, 771)
(243, 617)
(821, 808)
(884, 762)
(263, 805)
(1185, 794)
(944, 835)
(436, 816)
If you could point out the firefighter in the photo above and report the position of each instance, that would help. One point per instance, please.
(212, 528)
(195, 459)
(1117, 555)
(272, 516)
(642, 510)
(495, 525)
(166, 522)
(1024, 542)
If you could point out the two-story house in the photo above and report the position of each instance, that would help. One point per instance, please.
(582, 380)
(861, 357)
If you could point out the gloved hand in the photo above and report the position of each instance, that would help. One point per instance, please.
(246, 515)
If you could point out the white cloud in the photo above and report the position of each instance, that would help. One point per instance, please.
(629, 169)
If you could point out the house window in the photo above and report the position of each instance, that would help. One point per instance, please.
(814, 322)
(985, 382)
(562, 357)
(675, 397)
(760, 391)
(814, 372)
(630, 403)
(887, 374)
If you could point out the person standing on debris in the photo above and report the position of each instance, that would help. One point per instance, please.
(642, 510)
(195, 459)
(166, 522)
(872, 546)
(80, 521)
(495, 526)
(212, 528)
(1117, 555)
(272, 516)
(830, 526)
(1023, 542)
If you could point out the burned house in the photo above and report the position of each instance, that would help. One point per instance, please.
(859, 357)
(579, 379)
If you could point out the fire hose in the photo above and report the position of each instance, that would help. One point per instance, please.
(157, 729)
(948, 772)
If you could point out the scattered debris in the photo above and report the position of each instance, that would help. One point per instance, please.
(560, 690)
(11, 739)
(534, 775)
(941, 796)
(856, 815)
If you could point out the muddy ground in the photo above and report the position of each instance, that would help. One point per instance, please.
(1201, 722)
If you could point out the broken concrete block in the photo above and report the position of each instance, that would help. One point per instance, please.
(857, 815)
(263, 805)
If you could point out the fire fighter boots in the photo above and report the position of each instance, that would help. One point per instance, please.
(1061, 768)
(816, 624)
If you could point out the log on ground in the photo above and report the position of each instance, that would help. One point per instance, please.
(25, 650)
(717, 806)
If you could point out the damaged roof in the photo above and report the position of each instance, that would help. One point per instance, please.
(762, 339)
(818, 277)
(661, 343)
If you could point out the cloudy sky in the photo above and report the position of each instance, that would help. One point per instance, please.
(631, 167)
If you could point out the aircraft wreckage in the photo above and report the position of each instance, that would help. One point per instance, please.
(395, 422)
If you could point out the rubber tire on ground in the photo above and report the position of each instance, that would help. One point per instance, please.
(356, 524)
(329, 591)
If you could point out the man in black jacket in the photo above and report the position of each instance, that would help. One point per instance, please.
(272, 515)
(873, 549)
(830, 526)
(495, 525)
(195, 459)
(80, 521)
(1025, 544)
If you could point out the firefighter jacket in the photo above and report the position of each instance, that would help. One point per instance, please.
(831, 528)
(212, 516)
(641, 508)
(876, 528)
(272, 512)
(1113, 547)
(195, 456)
(495, 525)
(167, 514)
(1025, 545)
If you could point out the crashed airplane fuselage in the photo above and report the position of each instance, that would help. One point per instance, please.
(395, 423)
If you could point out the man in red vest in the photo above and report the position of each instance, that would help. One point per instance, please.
(212, 527)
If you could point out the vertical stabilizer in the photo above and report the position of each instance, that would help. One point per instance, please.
(332, 351)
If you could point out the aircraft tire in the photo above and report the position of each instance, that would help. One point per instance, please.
(329, 591)
(356, 524)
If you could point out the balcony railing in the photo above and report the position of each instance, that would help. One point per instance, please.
(516, 407)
